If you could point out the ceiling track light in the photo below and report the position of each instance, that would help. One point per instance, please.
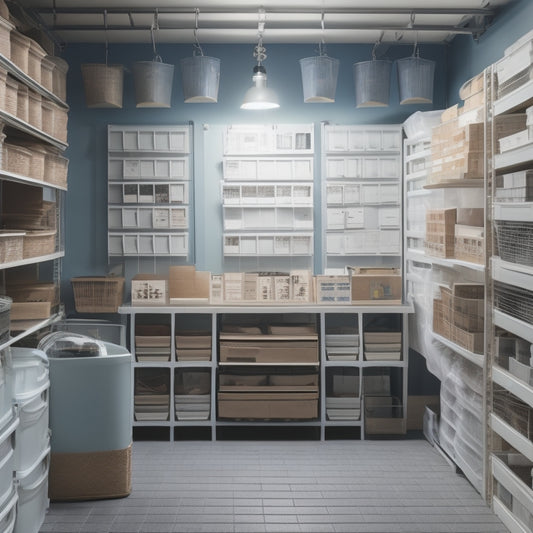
(259, 96)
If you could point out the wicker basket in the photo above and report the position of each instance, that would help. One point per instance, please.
(20, 49)
(39, 243)
(43, 218)
(35, 116)
(47, 113)
(34, 292)
(59, 77)
(5, 37)
(35, 56)
(38, 155)
(11, 244)
(12, 88)
(16, 159)
(47, 73)
(103, 85)
(23, 103)
(98, 294)
(60, 123)
(55, 168)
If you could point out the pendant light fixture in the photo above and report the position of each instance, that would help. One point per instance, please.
(200, 74)
(259, 96)
(319, 74)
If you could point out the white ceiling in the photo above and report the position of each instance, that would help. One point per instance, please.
(238, 21)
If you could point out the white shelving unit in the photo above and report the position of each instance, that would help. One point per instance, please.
(267, 192)
(325, 317)
(511, 445)
(362, 191)
(149, 191)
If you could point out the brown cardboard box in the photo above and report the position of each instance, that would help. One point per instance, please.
(384, 416)
(149, 289)
(187, 283)
(416, 406)
(376, 285)
(30, 310)
(470, 216)
(273, 405)
(257, 349)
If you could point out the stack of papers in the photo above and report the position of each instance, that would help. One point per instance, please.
(151, 407)
(342, 346)
(152, 348)
(343, 407)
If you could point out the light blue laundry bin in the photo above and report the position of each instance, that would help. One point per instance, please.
(90, 417)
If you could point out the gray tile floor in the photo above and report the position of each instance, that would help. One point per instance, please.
(284, 486)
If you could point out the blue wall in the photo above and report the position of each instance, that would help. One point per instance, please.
(86, 210)
(468, 57)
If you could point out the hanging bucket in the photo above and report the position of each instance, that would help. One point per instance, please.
(103, 84)
(319, 78)
(372, 83)
(153, 83)
(415, 80)
(200, 77)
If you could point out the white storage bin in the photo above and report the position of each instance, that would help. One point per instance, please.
(8, 512)
(7, 459)
(6, 388)
(33, 495)
(32, 434)
(30, 373)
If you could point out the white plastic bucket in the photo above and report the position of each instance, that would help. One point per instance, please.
(7, 459)
(200, 76)
(8, 513)
(6, 388)
(415, 80)
(33, 434)
(33, 495)
(153, 83)
(372, 83)
(319, 78)
(30, 373)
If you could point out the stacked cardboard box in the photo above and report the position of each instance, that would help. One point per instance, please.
(383, 345)
(152, 342)
(193, 345)
(469, 235)
(151, 398)
(192, 397)
(440, 232)
(516, 67)
(342, 344)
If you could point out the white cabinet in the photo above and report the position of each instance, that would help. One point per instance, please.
(267, 193)
(362, 195)
(149, 191)
(179, 367)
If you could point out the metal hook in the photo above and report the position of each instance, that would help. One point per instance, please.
(260, 51)
(153, 28)
(376, 44)
(322, 43)
(197, 45)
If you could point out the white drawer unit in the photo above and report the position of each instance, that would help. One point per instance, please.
(149, 191)
(267, 187)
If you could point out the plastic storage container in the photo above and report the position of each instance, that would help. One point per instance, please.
(90, 417)
(8, 513)
(6, 388)
(200, 77)
(7, 458)
(30, 392)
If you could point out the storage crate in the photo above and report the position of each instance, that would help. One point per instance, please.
(59, 77)
(39, 243)
(514, 241)
(11, 245)
(440, 232)
(514, 301)
(55, 168)
(60, 123)
(16, 159)
(469, 244)
(98, 294)
(384, 416)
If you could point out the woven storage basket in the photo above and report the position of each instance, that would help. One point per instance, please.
(60, 123)
(20, 49)
(3, 88)
(11, 243)
(55, 168)
(16, 159)
(12, 88)
(103, 85)
(5, 38)
(34, 292)
(47, 113)
(39, 243)
(43, 218)
(47, 73)
(98, 294)
(38, 157)
(35, 56)
(59, 77)
(23, 103)
(35, 116)
(90, 475)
